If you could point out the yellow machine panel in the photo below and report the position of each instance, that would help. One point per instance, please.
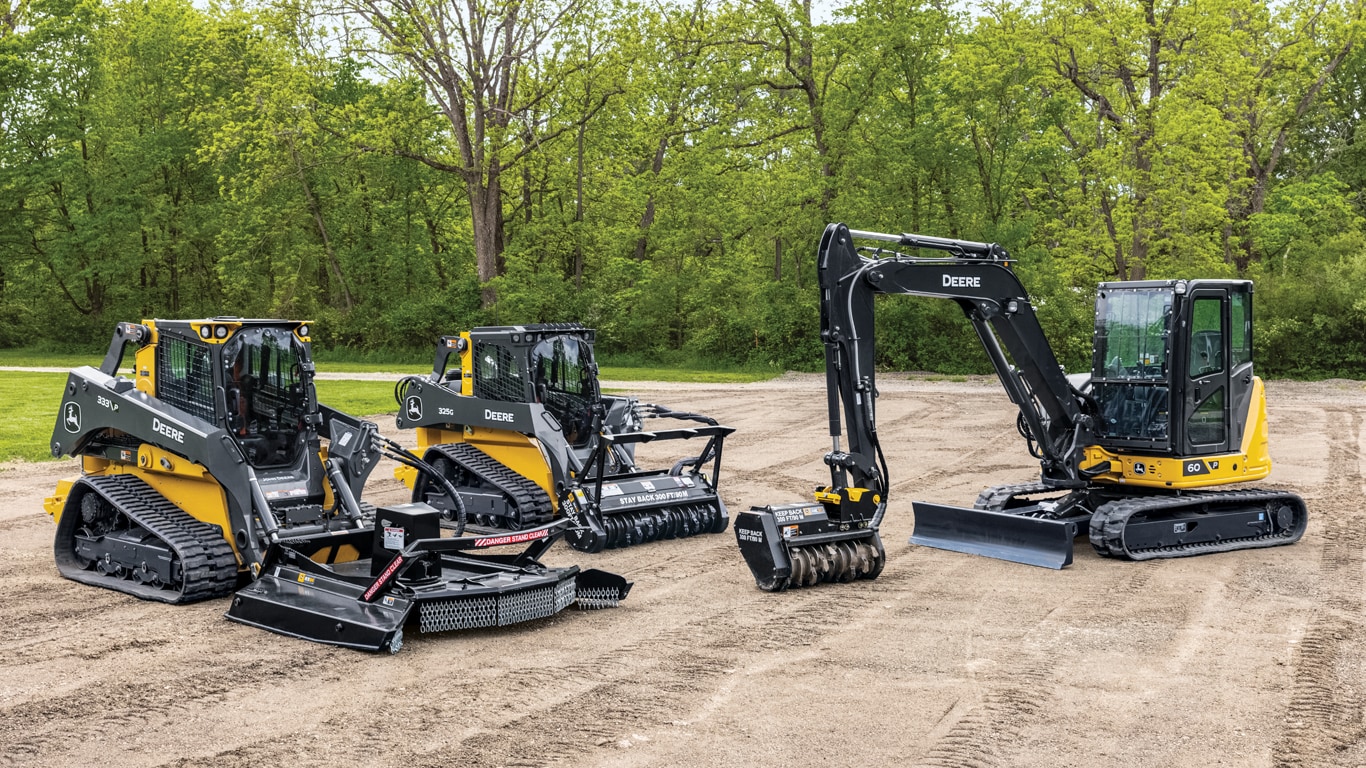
(1253, 462)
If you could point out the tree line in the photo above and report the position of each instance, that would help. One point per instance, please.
(662, 169)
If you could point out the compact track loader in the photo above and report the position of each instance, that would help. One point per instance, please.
(522, 430)
(205, 475)
(1128, 454)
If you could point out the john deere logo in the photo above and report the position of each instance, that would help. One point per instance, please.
(71, 417)
(414, 406)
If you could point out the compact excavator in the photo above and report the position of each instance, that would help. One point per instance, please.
(1129, 454)
(206, 475)
(520, 427)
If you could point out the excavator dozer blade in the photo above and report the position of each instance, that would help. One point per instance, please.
(1000, 535)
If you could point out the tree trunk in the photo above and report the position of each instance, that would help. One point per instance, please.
(486, 208)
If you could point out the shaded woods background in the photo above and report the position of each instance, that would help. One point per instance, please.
(662, 170)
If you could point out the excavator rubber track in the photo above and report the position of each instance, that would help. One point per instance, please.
(1197, 523)
(531, 503)
(162, 554)
(998, 498)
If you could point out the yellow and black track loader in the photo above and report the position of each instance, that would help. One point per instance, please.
(522, 430)
(214, 471)
(1129, 454)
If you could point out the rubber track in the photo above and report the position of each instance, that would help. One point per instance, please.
(206, 559)
(530, 499)
(1109, 521)
(995, 499)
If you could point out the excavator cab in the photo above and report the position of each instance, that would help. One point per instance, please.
(1172, 366)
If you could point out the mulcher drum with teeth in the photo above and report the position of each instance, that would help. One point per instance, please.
(799, 545)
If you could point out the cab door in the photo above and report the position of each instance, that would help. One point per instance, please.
(1206, 426)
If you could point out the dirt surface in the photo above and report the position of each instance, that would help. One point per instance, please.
(1253, 658)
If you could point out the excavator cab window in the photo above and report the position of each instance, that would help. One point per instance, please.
(567, 384)
(1130, 368)
(266, 396)
(1206, 401)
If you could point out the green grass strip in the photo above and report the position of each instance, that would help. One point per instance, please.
(28, 411)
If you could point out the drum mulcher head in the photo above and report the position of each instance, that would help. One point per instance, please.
(799, 545)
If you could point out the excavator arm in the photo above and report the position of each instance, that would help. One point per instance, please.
(1055, 417)
(836, 539)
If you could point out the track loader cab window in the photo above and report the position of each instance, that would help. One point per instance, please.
(566, 384)
(185, 376)
(1130, 368)
(266, 395)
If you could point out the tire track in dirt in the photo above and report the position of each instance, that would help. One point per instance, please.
(27, 521)
(1324, 714)
(983, 735)
(100, 710)
(672, 670)
(561, 714)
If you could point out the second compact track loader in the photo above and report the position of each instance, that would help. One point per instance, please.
(205, 475)
(522, 430)
(1128, 454)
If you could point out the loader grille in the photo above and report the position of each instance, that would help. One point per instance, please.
(495, 610)
(184, 377)
(497, 374)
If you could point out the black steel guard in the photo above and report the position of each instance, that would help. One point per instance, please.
(711, 452)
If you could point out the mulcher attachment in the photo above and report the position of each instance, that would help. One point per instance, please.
(404, 566)
(622, 509)
(801, 545)
(608, 509)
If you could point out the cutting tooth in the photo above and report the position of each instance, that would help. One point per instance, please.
(833, 562)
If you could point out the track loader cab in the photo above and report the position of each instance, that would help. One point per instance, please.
(565, 381)
(207, 470)
(527, 434)
(553, 368)
(267, 394)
